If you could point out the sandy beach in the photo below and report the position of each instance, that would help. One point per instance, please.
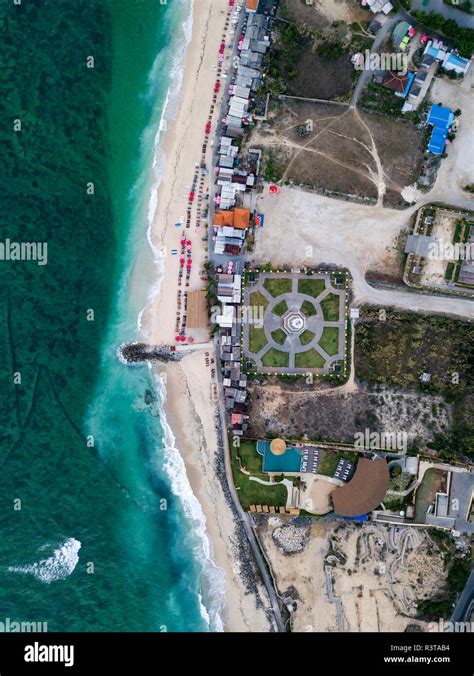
(190, 392)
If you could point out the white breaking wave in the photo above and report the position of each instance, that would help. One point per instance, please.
(56, 567)
(213, 578)
(158, 166)
(212, 598)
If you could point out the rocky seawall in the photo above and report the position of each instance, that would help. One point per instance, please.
(139, 353)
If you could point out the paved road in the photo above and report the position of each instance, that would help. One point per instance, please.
(403, 15)
(238, 261)
(410, 301)
(440, 7)
(379, 38)
(244, 516)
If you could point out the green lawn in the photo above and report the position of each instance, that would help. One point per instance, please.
(330, 307)
(309, 360)
(311, 287)
(251, 460)
(280, 308)
(257, 299)
(330, 340)
(433, 480)
(277, 286)
(275, 358)
(308, 308)
(279, 336)
(306, 337)
(257, 338)
(251, 492)
(328, 463)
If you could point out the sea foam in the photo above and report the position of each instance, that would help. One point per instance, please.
(58, 566)
(158, 165)
(213, 584)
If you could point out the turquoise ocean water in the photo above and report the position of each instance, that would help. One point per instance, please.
(98, 528)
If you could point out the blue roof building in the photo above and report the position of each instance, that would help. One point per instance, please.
(457, 63)
(441, 118)
(437, 142)
(447, 57)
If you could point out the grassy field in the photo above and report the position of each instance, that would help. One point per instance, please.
(309, 360)
(311, 287)
(328, 463)
(330, 307)
(257, 339)
(330, 340)
(399, 348)
(306, 337)
(275, 358)
(277, 286)
(308, 308)
(280, 308)
(256, 299)
(279, 336)
(251, 492)
(434, 480)
(251, 460)
(330, 459)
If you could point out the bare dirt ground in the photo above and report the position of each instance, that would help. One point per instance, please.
(322, 12)
(435, 268)
(303, 228)
(291, 414)
(457, 170)
(347, 152)
(379, 576)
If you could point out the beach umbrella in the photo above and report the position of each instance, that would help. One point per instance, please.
(274, 190)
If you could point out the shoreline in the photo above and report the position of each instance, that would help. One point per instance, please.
(190, 411)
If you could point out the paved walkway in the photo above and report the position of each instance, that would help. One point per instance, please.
(294, 322)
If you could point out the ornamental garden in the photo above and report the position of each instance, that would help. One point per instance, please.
(295, 323)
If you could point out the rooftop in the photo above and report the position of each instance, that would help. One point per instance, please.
(365, 491)
(398, 82)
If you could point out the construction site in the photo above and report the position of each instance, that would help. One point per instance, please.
(345, 577)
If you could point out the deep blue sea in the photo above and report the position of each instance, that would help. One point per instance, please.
(99, 528)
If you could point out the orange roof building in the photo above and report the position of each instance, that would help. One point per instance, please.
(241, 219)
(237, 218)
(222, 218)
(252, 5)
